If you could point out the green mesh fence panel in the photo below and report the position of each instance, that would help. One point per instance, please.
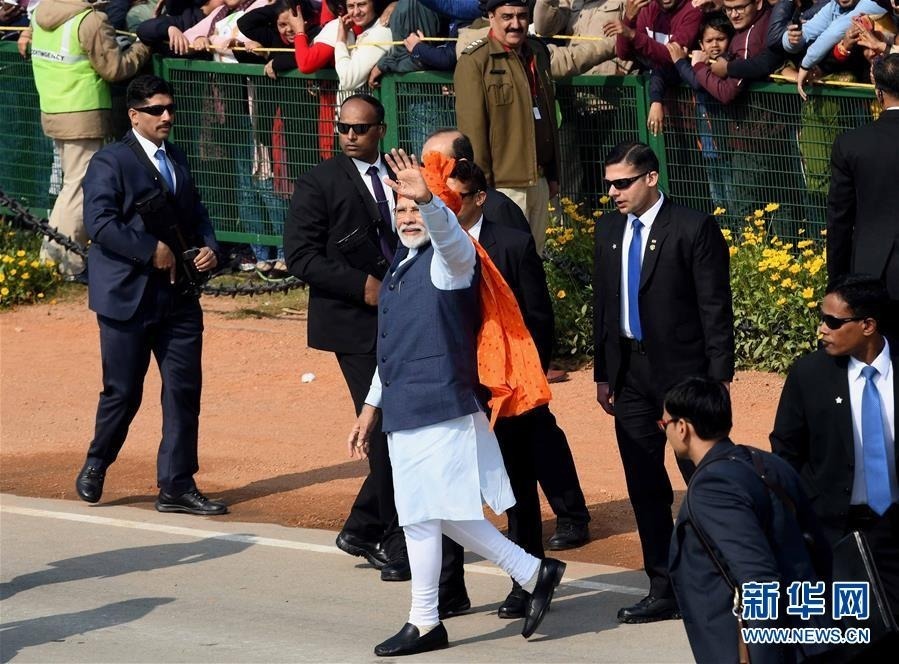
(27, 163)
(767, 147)
(248, 137)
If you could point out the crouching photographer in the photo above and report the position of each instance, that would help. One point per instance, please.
(152, 244)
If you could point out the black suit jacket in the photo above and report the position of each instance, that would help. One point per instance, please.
(515, 256)
(685, 300)
(500, 209)
(329, 202)
(863, 203)
(121, 251)
(813, 431)
(755, 537)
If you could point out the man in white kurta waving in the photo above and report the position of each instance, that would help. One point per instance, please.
(446, 460)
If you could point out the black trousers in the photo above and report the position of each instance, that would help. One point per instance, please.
(171, 328)
(554, 465)
(373, 515)
(518, 437)
(638, 407)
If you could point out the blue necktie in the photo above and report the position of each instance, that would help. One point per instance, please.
(385, 234)
(634, 260)
(874, 451)
(164, 169)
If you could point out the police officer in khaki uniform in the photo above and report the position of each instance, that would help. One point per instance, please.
(505, 104)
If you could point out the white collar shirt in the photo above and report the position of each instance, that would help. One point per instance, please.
(150, 148)
(647, 219)
(883, 380)
(363, 167)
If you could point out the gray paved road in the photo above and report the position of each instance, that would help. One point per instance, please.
(87, 583)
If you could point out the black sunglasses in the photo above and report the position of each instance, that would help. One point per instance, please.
(623, 183)
(834, 323)
(156, 109)
(359, 128)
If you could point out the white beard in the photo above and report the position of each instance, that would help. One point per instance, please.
(416, 242)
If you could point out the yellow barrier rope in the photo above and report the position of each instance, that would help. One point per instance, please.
(780, 78)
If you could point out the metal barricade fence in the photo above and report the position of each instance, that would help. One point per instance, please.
(248, 137)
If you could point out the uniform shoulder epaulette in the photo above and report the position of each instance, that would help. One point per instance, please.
(475, 45)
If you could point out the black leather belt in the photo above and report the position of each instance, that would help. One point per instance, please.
(633, 345)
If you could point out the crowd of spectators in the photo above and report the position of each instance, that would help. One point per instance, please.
(716, 47)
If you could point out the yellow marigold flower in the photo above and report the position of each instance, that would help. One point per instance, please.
(808, 252)
(566, 201)
(23, 263)
(804, 244)
(27, 275)
(35, 263)
(786, 283)
(794, 268)
(597, 213)
(20, 253)
(759, 223)
(772, 207)
(719, 211)
(770, 289)
(812, 304)
(732, 250)
(4, 291)
(7, 259)
(801, 231)
(781, 301)
(40, 296)
(12, 272)
(50, 263)
(808, 293)
(604, 199)
(2, 277)
(726, 233)
(824, 233)
(758, 214)
(561, 295)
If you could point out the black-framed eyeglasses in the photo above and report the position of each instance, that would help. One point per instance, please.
(663, 424)
(156, 109)
(623, 183)
(835, 323)
(360, 128)
(739, 9)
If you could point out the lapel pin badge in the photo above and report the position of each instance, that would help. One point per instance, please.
(614, 246)
(839, 400)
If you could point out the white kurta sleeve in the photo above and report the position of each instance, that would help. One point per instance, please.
(452, 267)
(373, 398)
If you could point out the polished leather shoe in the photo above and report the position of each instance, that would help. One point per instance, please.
(650, 609)
(356, 546)
(454, 606)
(569, 535)
(191, 502)
(548, 577)
(396, 570)
(89, 483)
(408, 642)
(515, 605)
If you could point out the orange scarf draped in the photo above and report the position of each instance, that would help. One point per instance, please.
(508, 362)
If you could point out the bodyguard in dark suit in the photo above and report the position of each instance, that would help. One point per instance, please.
(339, 239)
(843, 448)
(662, 311)
(136, 288)
(863, 203)
(730, 515)
(555, 466)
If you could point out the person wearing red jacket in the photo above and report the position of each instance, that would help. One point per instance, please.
(647, 26)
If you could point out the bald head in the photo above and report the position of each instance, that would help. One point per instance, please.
(450, 143)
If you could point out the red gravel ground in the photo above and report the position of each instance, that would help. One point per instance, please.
(270, 445)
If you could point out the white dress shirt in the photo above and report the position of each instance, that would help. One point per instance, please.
(445, 470)
(150, 148)
(884, 383)
(363, 167)
(647, 218)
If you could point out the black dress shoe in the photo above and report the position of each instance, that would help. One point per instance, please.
(454, 606)
(569, 535)
(408, 642)
(516, 604)
(356, 546)
(89, 483)
(650, 609)
(548, 577)
(191, 502)
(396, 570)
